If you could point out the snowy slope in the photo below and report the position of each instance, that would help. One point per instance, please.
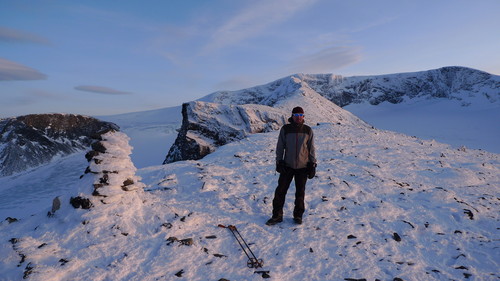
(474, 126)
(371, 185)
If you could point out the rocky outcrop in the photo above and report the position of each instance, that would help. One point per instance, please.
(111, 167)
(32, 140)
(206, 126)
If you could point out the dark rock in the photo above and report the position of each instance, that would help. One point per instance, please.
(80, 202)
(179, 274)
(28, 270)
(469, 213)
(167, 225)
(98, 147)
(396, 237)
(91, 154)
(11, 220)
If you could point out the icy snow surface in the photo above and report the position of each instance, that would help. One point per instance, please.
(371, 187)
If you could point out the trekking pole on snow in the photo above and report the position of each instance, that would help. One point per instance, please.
(253, 261)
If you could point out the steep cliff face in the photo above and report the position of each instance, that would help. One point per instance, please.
(32, 140)
(206, 126)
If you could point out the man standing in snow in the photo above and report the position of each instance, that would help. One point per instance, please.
(295, 158)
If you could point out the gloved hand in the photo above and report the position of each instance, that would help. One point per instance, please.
(280, 167)
(311, 170)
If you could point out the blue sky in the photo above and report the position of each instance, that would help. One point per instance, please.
(108, 57)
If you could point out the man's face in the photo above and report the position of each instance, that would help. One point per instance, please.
(298, 117)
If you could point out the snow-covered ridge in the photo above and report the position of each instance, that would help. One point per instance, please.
(33, 140)
(458, 83)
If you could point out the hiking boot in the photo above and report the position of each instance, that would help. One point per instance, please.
(297, 220)
(273, 221)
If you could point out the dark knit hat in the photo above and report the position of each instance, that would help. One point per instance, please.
(298, 109)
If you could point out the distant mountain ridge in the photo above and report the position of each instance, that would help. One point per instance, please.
(33, 140)
(452, 82)
(321, 95)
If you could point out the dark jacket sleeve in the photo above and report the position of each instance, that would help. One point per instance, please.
(312, 148)
(280, 146)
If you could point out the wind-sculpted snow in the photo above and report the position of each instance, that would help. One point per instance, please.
(458, 83)
(382, 206)
(33, 140)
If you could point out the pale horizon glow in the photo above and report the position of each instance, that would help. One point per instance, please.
(100, 58)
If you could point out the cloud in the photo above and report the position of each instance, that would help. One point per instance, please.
(254, 19)
(326, 60)
(11, 71)
(101, 90)
(16, 36)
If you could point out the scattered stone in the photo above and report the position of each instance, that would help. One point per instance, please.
(396, 237)
(409, 223)
(127, 182)
(186, 242)
(63, 261)
(167, 225)
(80, 202)
(351, 236)
(11, 220)
(28, 270)
(179, 274)
(264, 274)
(469, 213)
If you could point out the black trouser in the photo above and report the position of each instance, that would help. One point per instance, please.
(284, 181)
